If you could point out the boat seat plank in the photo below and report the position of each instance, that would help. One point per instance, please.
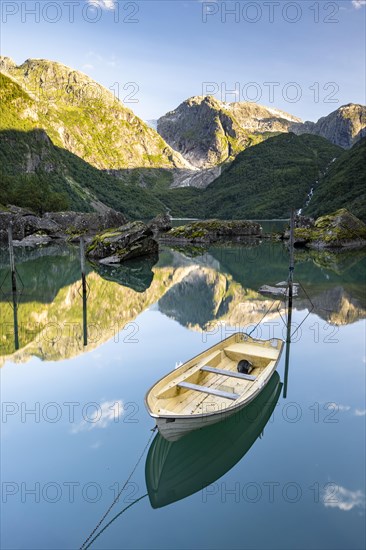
(207, 368)
(188, 373)
(190, 400)
(252, 349)
(210, 391)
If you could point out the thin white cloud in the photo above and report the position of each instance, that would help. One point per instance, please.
(338, 407)
(358, 4)
(94, 56)
(336, 496)
(100, 417)
(343, 407)
(104, 4)
(95, 59)
(88, 67)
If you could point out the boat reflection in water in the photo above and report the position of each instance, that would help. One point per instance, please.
(176, 470)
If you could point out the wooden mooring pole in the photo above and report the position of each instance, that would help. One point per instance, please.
(13, 286)
(290, 297)
(84, 287)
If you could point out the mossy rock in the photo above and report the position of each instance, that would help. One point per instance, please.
(338, 229)
(213, 230)
(131, 240)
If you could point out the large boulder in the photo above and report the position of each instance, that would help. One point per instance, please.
(79, 222)
(55, 224)
(33, 224)
(214, 230)
(341, 229)
(25, 223)
(131, 240)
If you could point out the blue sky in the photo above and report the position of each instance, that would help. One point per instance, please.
(305, 57)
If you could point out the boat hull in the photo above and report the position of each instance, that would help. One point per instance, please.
(173, 429)
(175, 470)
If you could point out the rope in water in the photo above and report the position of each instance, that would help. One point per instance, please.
(83, 546)
(113, 519)
(266, 313)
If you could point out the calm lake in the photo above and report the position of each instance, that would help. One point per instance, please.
(288, 476)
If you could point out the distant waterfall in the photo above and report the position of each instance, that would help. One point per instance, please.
(311, 192)
(308, 199)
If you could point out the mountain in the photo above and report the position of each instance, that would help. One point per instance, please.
(343, 127)
(37, 175)
(84, 118)
(259, 118)
(266, 180)
(344, 185)
(49, 173)
(208, 132)
(67, 143)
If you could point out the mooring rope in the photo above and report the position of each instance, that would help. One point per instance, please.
(266, 313)
(85, 543)
(113, 519)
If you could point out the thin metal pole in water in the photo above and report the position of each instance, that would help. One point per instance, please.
(13, 286)
(290, 296)
(291, 245)
(83, 280)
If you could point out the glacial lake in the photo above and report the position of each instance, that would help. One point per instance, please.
(289, 476)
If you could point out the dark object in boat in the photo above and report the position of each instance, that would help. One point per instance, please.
(244, 366)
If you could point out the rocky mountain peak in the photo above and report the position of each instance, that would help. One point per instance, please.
(203, 131)
(208, 132)
(6, 63)
(344, 127)
(207, 99)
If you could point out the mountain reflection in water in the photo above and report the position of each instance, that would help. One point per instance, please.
(220, 285)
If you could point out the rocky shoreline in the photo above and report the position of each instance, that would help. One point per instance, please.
(30, 230)
(111, 239)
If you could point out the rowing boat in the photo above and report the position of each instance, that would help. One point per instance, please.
(177, 469)
(209, 388)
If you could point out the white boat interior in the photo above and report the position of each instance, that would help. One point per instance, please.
(211, 382)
